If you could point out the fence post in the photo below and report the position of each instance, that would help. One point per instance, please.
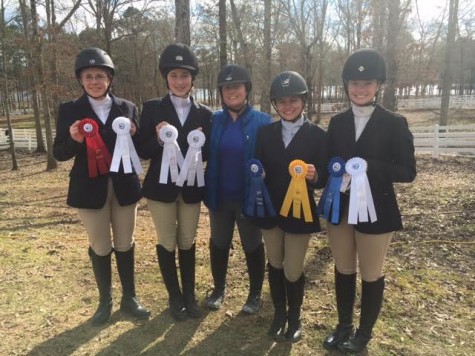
(435, 153)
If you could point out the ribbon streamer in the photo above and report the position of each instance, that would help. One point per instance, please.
(361, 199)
(193, 164)
(98, 155)
(124, 149)
(259, 203)
(329, 204)
(297, 195)
(172, 157)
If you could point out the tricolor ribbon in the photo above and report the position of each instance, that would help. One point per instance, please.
(124, 149)
(172, 157)
(193, 164)
(329, 204)
(361, 199)
(297, 195)
(259, 203)
(98, 155)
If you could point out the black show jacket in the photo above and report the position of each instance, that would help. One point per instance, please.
(309, 145)
(85, 192)
(388, 147)
(155, 111)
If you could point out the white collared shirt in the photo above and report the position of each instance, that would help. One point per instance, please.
(182, 107)
(289, 129)
(101, 107)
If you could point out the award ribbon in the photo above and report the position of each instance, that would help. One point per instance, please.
(171, 156)
(258, 202)
(124, 149)
(297, 195)
(193, 164)
(329, 204)
(361, 199)
(98, 155)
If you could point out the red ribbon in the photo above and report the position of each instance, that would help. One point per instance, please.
(98, 155)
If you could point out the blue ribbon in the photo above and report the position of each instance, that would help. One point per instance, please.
(329, 204)
(258, 202)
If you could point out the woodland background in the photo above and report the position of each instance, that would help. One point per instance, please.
(40, 39)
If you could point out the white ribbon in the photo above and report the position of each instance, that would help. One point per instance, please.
(124, 149)
(193, 164)
(361, 199)
(172, 158)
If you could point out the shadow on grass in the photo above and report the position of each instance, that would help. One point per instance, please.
(136, 340)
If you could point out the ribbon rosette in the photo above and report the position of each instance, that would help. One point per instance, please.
(258, 202)
(193, 164)
(124, 149)
(297, 196)
(171, 156)
(361, 199)
(98, 155)
(329, 204)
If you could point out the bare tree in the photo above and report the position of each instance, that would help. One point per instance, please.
(265, 102)
(223, 52)
(446, 76)
(37, 42)
(6, 93)
(182, 22)
(396, 19)
(26, 21)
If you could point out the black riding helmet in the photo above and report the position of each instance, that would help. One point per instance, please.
(288, 83)
(178, 55)
(93, 57)
(364, 64)
(234, 74)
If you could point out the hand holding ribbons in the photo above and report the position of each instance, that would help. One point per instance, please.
(193, 164)
(297, 195)
(171, 156)
(329, 204)
(361, 199)
(98, 156)
(259, 203)
(124, 149)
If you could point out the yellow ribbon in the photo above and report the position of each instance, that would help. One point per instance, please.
(297, 192)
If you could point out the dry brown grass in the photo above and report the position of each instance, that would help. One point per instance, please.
(48, 294)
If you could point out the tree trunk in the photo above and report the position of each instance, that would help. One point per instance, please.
(40, 146)
(38, 64)
(266, 78)
(223, 54)
(182, 21)
(6, 91)
(392, 34)
(446, 76)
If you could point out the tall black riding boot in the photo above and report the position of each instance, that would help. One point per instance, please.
(219, 269)
(295, 292)
(167, 263)
(371, 302)
(345, 289)
(129, 303)
(187, 262)
(279, 299)
(255, 261)
(101, 265)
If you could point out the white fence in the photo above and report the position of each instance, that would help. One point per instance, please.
(24, 139)
(433, 139)
(445, 139)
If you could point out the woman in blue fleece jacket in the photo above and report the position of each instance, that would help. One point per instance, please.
(233, 138)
